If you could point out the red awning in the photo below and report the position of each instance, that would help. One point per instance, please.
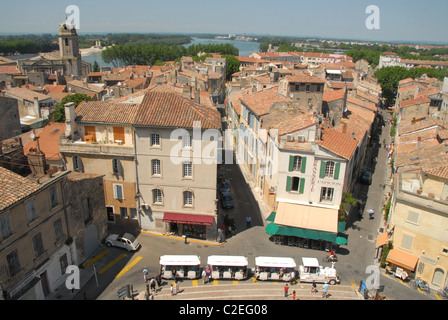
(188, 218)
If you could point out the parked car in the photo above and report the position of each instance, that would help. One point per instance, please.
(366, 177)
(126, 241)
(226, 200)
(224, 186)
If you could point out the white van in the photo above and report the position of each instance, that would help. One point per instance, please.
(310, 271)
(274, 268)
(181, 266)
(228, 267)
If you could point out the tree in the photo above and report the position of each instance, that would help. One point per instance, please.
(96, 67)
(232, 65)
(76, 98)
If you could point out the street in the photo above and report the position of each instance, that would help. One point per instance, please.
(118, 268)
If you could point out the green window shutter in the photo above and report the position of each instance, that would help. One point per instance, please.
(291, 162)
(302, 185)
(336, 171)
(303, 168)
(322, 169)
(288, 183)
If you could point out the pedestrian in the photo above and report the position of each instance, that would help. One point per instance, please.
(248, 220)
(286, 290)
(294, 295)
(313, 287)
(159, 280)
(371, 214)
(173, 288)
(177, 286)
(153, 284)
(145, 275)
(293, 277)
(325, 290)
(204, 276)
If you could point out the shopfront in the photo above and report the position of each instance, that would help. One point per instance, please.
(191, 225)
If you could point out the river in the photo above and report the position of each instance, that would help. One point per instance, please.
(245, 48)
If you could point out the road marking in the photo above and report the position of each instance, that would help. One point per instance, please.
(215, 282)
(235, 281)
(194, 283)
(96, 258)
(129, 266)
(110, 264)
(353, 283)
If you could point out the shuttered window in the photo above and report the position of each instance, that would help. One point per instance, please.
(31, 210)
(118, 192)
(5, 226)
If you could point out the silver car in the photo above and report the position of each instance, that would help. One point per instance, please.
(126, 241)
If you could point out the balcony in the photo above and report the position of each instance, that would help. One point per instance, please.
(84, 145)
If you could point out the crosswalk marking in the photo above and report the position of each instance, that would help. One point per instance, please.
(353, 283)
(129, 266)
(215, 282)
(195, 283)
(235, 281)
(110, 264)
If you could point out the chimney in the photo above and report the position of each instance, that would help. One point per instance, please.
(36, 107)
(344, 128)
(70, 115)
(8, 85)
(36, 160)
(419, 140)
(197, 98)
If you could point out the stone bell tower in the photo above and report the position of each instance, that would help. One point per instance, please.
(69, 50)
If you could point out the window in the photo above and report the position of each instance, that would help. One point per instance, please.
(413, 217)
(188, 198)
(406, 241)
(326, 194)
(38, 245)
(116, 166)
(5, 226)
(86, 209)
(53, 197)
(329, 169)
(155, 165)
(187, 169)
(186, 141)
(123, 213)
(295, 184)
(118, 192)
(77, 164)
(297, 163)
(157, 196)
(58, 231)
(155, 139)
(63, 262)
(31, 210)
(133, 213)
(307, 88)
(13, 263)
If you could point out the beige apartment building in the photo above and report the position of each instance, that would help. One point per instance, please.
(418, 225)
(33, 230)
(177, 165)
(99, 138)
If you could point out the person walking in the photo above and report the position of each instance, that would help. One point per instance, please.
(293, 277)
(248, 221)
(204, 276)
(325, 290)
(313, 287)
(371, 214)
(294, 295)
(153, 284)
(286, 289)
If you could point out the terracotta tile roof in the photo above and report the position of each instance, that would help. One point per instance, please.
(414, 101)
(88, 86)
(304, 78)
(14, 188)
(294, 124)
(409, 126)
(338, 143)
(26, 94)
(55, 88)
(405, 81)
(441, 172)
(333, 95)
(443, 134)
(261, 102)
(48, 140)
(9, 69)
(106, 112)
(363, 104)
(356, 125)
(170, 110)
(408, 88)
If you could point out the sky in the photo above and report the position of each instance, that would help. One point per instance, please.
(399, 20)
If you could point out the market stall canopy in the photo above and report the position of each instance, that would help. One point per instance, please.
(381, 240)
(402, 259)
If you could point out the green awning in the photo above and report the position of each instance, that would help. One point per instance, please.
(341, 227)
(341, 240)
(272, 229)
(271, 216)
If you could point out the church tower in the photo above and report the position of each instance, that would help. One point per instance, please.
(69, 50)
